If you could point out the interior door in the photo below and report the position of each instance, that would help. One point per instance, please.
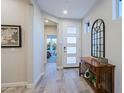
(71, 45)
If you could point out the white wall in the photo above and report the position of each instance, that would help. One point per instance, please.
(113, 40)
(50, 30)
(38, 45)
(23, 64)
(13, 61)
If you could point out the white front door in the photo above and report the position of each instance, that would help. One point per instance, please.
(71, 45)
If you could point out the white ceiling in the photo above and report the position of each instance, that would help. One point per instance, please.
(75, 8)
(49, 23)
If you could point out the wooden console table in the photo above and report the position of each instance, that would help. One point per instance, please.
(101, 75)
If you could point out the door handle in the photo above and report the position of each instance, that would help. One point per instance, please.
(65, 49)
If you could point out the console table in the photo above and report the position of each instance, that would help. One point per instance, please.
(101, 76)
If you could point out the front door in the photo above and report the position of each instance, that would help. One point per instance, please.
(71, 45)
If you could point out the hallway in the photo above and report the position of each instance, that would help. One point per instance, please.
(61, 81)
(40, 37)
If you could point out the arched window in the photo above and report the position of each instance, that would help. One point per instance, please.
(98, 39)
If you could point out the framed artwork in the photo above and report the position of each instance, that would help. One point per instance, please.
(10, 36)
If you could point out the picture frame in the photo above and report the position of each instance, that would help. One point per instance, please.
(11, 36)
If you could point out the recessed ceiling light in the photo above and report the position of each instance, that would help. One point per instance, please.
(65, 11)
(46, 21)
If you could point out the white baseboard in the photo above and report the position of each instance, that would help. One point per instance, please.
(14, 84)
(29, 85)
(38, 79)
(59, 67)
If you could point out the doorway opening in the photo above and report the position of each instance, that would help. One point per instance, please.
(50, 34)
(51, 48)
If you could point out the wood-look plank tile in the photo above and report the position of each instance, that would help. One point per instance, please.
(62, 81)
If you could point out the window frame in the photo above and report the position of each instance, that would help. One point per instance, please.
(119, 9)
(115, 10)
(98, 39)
